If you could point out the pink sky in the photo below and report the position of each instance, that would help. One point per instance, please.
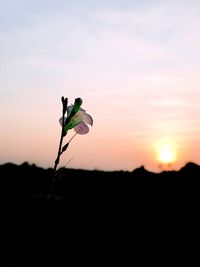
(135, 65)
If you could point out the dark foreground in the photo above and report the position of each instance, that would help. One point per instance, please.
(93, 216)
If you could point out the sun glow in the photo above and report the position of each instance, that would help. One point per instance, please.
(166, 154)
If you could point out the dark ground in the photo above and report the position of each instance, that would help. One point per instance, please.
(96, 214)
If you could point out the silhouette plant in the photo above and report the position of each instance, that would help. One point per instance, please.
(76, 119)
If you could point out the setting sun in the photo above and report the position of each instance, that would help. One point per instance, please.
(166, 154)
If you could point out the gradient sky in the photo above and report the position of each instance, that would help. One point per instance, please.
(135, 64)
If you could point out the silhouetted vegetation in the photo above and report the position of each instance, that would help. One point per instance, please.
(91, 212)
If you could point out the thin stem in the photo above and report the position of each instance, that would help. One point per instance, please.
(61, 170)
(57, 158)
(60, 147)
(72, 137)
(59, 154)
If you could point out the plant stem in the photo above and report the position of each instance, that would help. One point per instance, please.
(59, 153)
(59, 149)
(58, 157)
(72, 137)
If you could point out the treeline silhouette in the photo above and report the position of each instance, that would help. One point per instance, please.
(91, 212)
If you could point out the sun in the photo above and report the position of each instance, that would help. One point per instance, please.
(166, 154)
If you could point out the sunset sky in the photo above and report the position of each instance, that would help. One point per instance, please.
(135, 64)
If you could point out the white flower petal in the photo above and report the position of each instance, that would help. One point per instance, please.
(60, 120)
(87, 119)
(69, 109)
(81, 109)
(81, 128)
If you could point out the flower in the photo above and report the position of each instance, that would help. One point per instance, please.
(77, 118)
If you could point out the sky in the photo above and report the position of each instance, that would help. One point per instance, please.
(135, 64)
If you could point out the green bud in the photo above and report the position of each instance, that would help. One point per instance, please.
(76, 107)
(65, 147)
(70, 123)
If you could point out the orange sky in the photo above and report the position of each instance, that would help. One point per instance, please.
(135, 65)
